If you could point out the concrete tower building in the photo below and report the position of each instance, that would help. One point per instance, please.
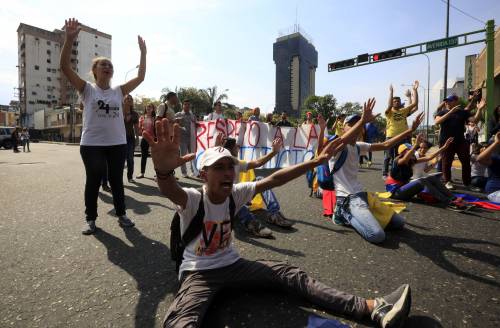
(296, 61)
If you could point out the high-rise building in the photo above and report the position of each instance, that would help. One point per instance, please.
(296, 61)
(42, 85)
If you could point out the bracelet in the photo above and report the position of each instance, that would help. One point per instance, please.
(163, 175)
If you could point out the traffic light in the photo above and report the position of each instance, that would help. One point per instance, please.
(387, 54)
(340, 64)
(363, 58)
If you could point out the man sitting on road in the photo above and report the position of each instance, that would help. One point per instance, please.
(210, 263)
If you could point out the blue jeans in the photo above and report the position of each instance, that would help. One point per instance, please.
(272, 206)
(356, 212)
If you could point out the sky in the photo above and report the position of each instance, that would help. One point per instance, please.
(230, 43)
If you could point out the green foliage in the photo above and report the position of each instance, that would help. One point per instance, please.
(349, 108)
(140, 103)
(325, 105)
(202, 100)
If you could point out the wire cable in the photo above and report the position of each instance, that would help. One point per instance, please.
(463, 12)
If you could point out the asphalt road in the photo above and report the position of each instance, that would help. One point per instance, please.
(52, 276)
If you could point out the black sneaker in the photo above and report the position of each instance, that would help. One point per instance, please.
(392, 310)
(89, 228)
(124, 221)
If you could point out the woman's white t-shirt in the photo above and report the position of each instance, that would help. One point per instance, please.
(103, 123)
(213, 247)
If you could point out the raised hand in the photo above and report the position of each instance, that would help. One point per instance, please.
(277, 144)
(415, 85)
(142, 44)
(72, 28)
(482, 104)
(391, 88)
(219, 140)
(367, 115)
(419, 139)
(321, 122)
(418, 120)
(165, 148)
(447, 143)
(497, 138)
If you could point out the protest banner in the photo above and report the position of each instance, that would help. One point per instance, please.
(255, 140)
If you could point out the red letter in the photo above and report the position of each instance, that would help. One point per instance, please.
(295, 140)
(202, 128)
(250, 133)
(312, 135)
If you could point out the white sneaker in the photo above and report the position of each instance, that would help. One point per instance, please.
(449, 185)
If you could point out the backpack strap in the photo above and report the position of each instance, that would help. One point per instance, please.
(232, 209)
(340, 161)
(196, 224)
(342, 158)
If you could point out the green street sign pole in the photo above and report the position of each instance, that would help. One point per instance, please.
(490, 63)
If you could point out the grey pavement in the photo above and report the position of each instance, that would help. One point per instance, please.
(52, 276)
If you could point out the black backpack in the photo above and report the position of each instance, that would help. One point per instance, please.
(178, 243)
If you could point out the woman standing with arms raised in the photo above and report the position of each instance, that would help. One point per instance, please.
(103, 133)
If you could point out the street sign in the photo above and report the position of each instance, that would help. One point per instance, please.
(441, 44)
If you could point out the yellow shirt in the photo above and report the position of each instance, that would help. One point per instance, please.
(396, 121)
(339, 129)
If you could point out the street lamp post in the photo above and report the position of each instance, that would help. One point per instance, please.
(426, 108)
(428, 95)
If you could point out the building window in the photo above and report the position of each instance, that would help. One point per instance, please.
(38, 85)
(96, 54)
(31, 102)
(36, 39)
(49, 79)
(74, 52)
(48, 52)
(48, 61)
(49, 96)
(48, 70)
(53, 70)
(37, 67)
(48, 43)
(95, 45)
(95, 36)
(33, 93)
(75, 43)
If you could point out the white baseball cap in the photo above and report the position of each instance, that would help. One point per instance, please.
(212, 155)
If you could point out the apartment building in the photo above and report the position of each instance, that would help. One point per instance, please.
(42, 86)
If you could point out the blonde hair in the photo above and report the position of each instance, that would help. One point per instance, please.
(96, 61)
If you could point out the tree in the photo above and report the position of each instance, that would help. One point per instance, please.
(213, 95)
(325, 105)
(140, 102)
(349, 108)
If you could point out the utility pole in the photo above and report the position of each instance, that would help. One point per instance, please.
(445, 82)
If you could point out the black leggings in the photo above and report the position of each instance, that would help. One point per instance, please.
(95, 159)
(144, 154)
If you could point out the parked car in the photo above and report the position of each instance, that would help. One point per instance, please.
(5, 137)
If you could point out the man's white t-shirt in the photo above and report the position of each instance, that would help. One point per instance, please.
(346, 178)
(213, 247)
(215, 116)
(103, 123)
